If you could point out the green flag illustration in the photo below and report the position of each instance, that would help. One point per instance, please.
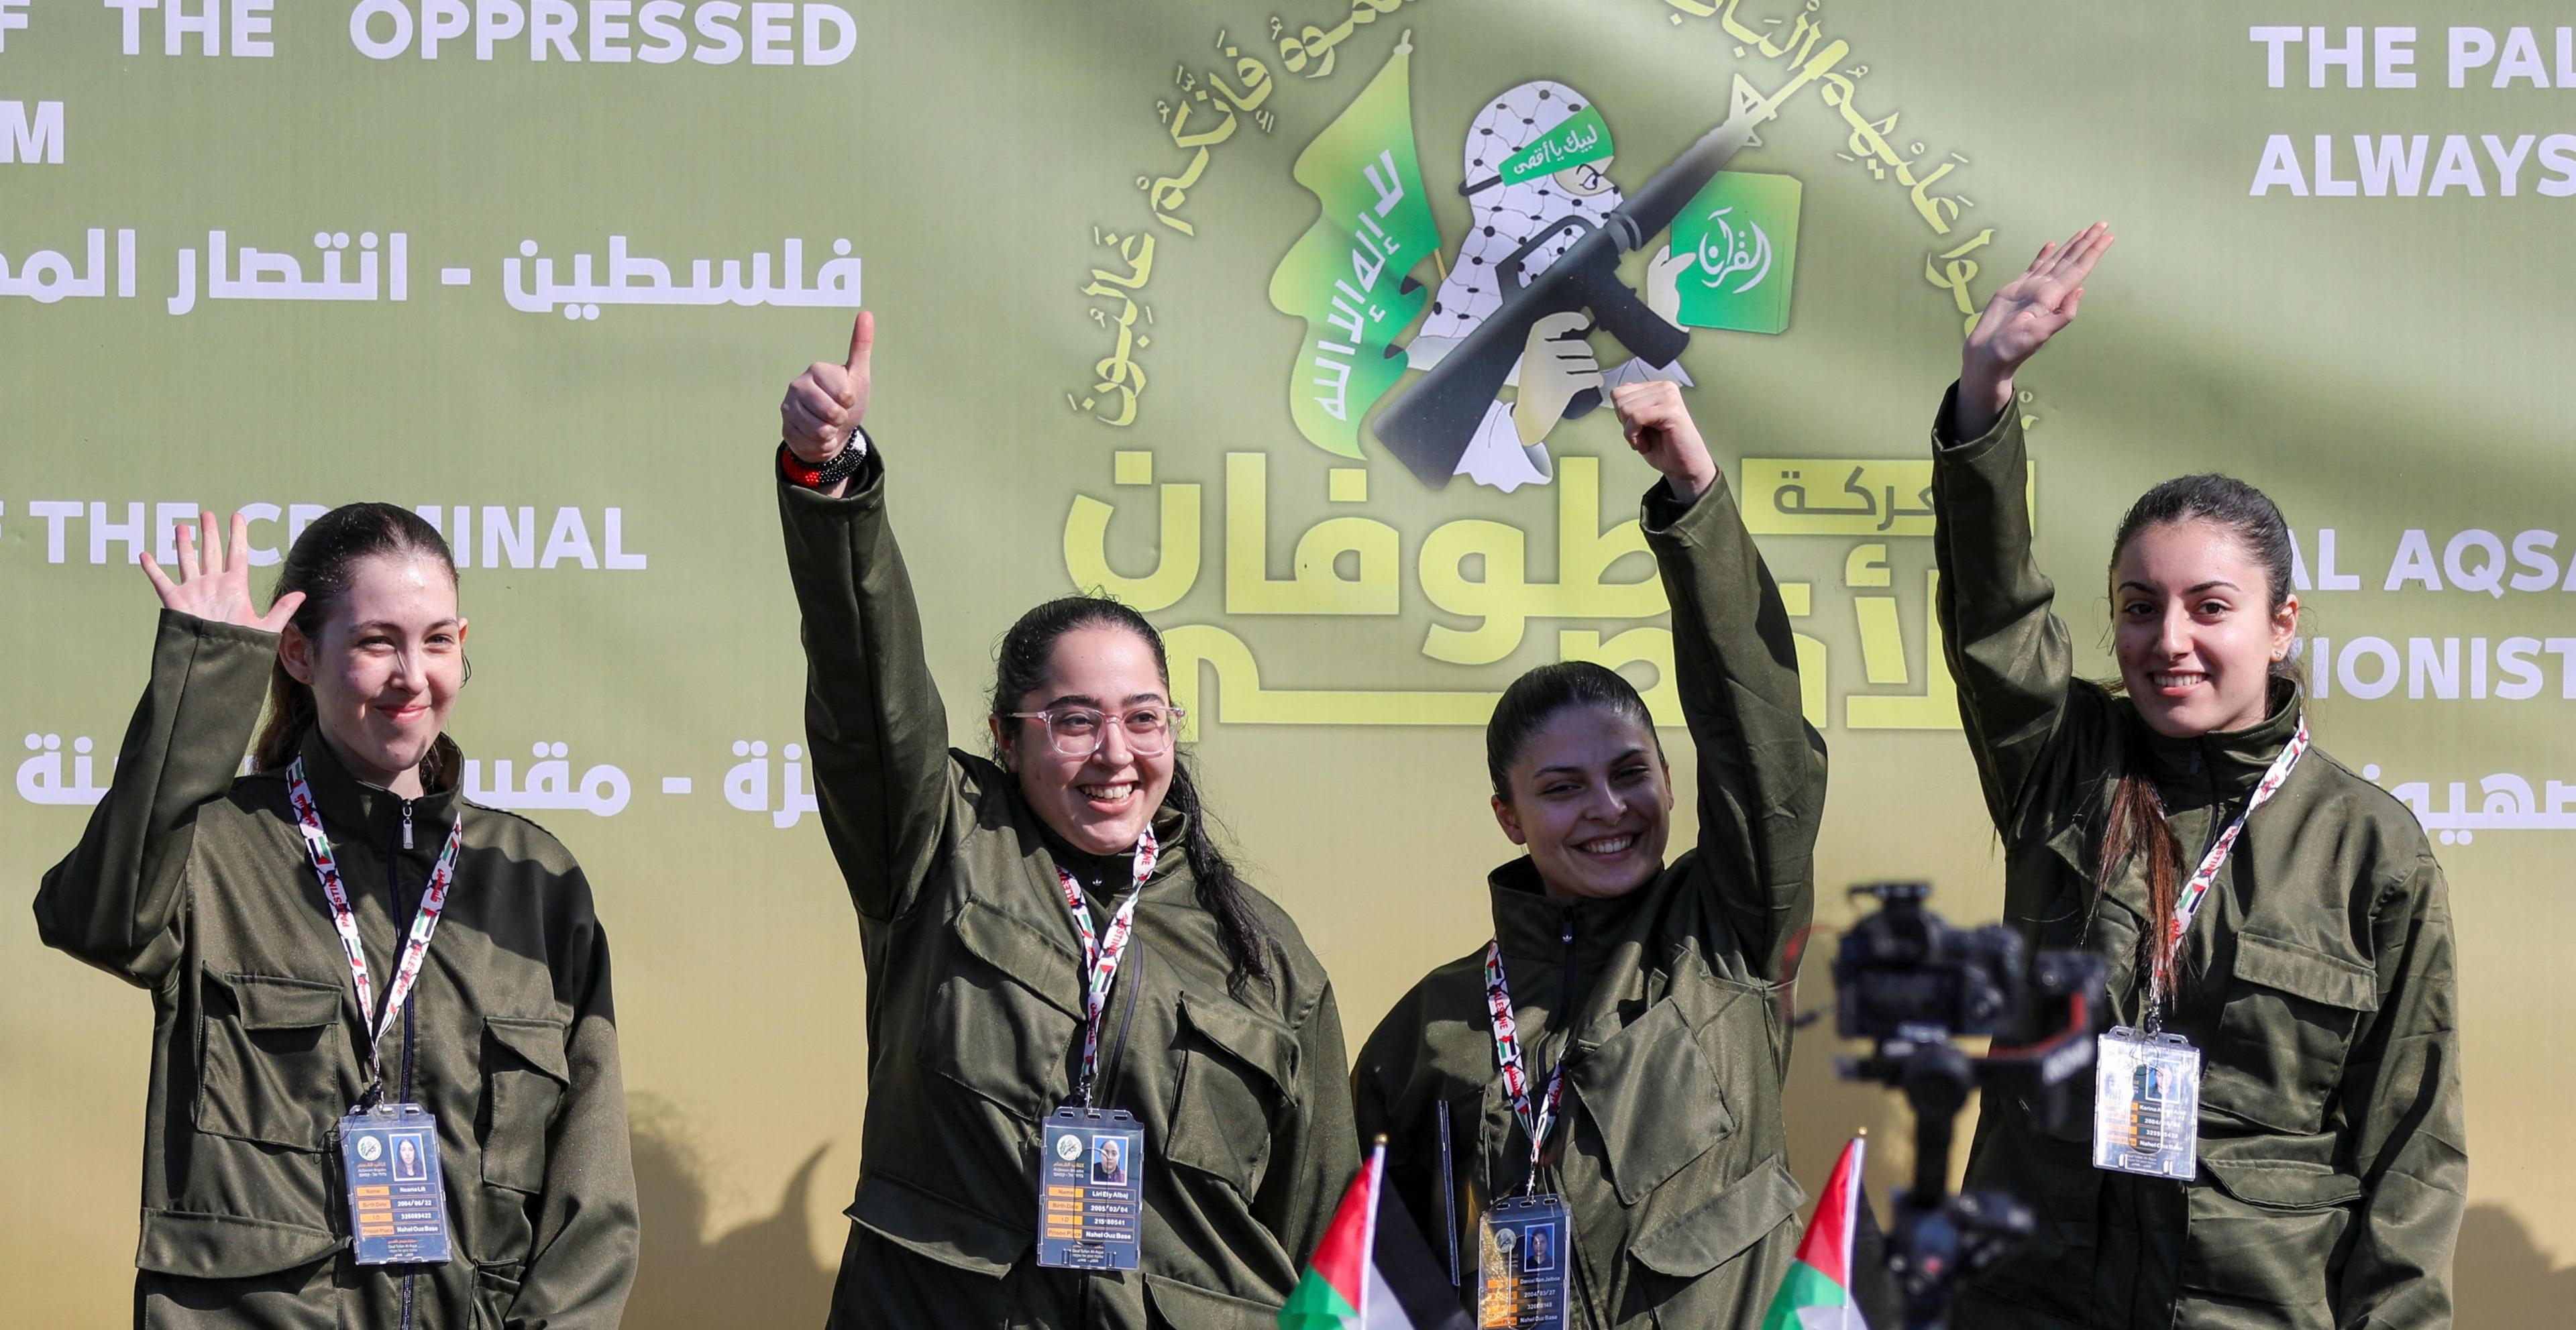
(1346, 277)
(1744, 229)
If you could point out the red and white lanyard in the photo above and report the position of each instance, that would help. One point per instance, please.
(1507, 1054)
(1100, 955)
(2187, 904)
(433, 901)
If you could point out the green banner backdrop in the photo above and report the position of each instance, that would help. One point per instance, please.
(1147, 278)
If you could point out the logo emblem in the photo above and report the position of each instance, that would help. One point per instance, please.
(1068, 1147)
(370, 1148)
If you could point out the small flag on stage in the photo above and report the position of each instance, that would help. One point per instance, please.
(1371, 1271)
(1818, 1292)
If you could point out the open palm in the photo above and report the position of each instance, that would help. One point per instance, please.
(215, 585)
(2024, 314)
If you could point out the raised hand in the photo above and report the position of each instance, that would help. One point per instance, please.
(214, 585)
(2024, 314)
(824, 404)
(1659, 427)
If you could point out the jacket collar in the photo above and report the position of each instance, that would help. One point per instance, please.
(2223, 764)
(1531, 926)
(1110, 874)
(352, 807)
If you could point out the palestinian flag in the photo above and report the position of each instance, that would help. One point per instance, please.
(1372, 1271)
(1818, 1292)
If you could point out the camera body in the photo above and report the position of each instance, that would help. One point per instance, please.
(1904, 971)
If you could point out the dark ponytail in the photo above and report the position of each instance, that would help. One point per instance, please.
(1535, 698)
(1020, 668)
(2136, 826)
(321, 564)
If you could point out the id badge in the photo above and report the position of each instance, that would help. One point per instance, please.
(2146, 1105)
(1091, 1190)
(397, 1202)
(1521, 1258)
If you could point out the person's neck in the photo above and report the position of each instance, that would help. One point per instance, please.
(404, 783)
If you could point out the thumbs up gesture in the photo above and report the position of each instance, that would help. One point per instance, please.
(822, 408)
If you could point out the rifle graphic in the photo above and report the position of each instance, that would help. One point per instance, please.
(1430, 425)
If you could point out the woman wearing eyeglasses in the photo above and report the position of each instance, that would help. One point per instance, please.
(1052, 941)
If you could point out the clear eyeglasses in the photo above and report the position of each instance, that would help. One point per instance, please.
(1080, 731)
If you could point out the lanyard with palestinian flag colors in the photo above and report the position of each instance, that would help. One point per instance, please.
(1102, 952)
(1507, 1054)
(433, 902)
(2187, 903)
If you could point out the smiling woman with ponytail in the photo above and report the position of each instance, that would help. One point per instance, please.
(231, 899)
(989, 890)
(2311, 969)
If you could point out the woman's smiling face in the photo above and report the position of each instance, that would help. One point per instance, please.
(2195, 628)
(1592, 801)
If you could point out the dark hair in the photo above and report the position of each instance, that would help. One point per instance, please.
(320, 564)
(1535, 698)
(1020, 668)
(2136, 826)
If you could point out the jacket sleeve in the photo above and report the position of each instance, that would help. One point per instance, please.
(2402, 1106)
(1761, 766)
(581, 1261)
(1298, 1198)
(118, 900)
(2008, 651)
(874, 724)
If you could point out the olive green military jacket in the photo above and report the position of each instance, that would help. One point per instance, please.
(194, 884)
(1669, 1006)
(2318, 985)
(975, 996)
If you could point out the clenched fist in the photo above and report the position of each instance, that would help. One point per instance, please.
(1659, 427)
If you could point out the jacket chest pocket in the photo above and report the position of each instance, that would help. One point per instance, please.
(272, 1061)
(524, 1079)
(1235, 1068)
(2290, 1016)
(1654, 1095)
(995, 1025)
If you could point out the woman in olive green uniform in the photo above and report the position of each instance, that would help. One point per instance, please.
(2314, 975)
(1216, 1029)
(1661, 991)
(197, 885)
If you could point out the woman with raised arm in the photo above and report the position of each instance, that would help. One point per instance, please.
(358, 1116)
(2278, 1140)
(1612, 1060)
(1105, 1081)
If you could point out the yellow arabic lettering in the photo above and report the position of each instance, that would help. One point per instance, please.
(1202, 142)
(1649, 646)
(1166, 194)
(1138, 251)
(1242, 700)
(1883, 659)
(1316, 584)
(1176, 543)
(1503, 600)
(1957, 270)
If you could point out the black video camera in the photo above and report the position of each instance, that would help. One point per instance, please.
(1909, 983)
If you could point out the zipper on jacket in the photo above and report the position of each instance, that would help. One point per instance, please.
(406, 823)
(1566, 998)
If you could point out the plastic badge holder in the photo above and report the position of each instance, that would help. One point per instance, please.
(397, 1202)
(1091, 1190)
(1522, 1253)
(2146, 1105)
